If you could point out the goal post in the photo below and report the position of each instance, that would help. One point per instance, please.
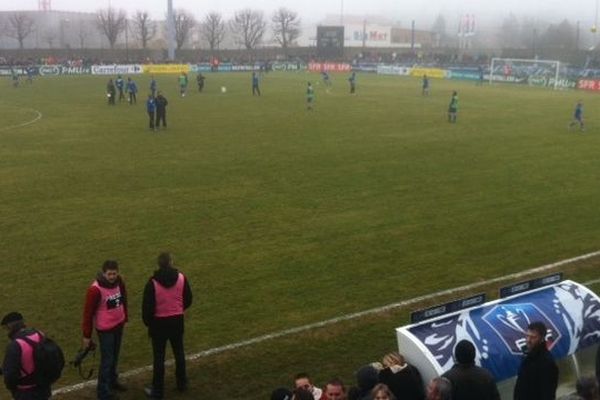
(525, 71)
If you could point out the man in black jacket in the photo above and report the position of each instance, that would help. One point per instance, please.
(161, 110)
(538, 374)
(166, 296)
(19, 364)
(470, 382)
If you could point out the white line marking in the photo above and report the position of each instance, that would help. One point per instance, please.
(377, 310)
(33, 121)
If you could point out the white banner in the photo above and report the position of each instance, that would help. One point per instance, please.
(116, 69)
(393, 70)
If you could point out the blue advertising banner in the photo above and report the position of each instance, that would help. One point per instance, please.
(471, 74)
(570, 311)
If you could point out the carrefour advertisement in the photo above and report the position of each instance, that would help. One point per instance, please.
(471, 74)
(393, 70)
(430, 72)
(570, 311)
(166, 68)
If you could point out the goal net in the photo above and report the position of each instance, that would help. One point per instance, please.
(528, 72)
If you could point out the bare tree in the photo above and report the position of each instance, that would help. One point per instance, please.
(184, 22)
(111, 23)
(213, 30)
(82, 33)
(19, 26)
(286, 26)
(143, 28)
(249, 27)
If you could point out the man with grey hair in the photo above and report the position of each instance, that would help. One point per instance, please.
(439, 388)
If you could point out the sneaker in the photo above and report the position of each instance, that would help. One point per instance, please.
(150, 394)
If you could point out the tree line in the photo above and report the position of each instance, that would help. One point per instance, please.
(247, 27)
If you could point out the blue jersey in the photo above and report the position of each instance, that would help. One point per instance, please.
(131, 87)
(579, 111)
(254, 80)
(153, 85)
(151, 105)
(119, 83)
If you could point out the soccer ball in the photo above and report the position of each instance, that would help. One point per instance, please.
(593, 29)
(108, 95)
(223, 89)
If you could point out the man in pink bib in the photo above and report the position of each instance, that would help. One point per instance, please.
(106, 310)
(166, 296)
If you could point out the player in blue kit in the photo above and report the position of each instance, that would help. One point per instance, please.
(578, 117)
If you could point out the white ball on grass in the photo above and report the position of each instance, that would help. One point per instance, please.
(223, 89)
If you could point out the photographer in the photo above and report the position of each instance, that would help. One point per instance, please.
(106, 310)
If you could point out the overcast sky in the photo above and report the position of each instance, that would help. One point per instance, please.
(314, 10)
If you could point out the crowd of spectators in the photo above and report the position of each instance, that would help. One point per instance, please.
(395, 379)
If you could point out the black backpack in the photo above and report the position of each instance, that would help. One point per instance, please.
(48, 359)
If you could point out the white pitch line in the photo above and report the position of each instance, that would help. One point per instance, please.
(320, 324)
(33, 121)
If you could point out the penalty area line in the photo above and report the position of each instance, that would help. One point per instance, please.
(33, 121)
(332, 321)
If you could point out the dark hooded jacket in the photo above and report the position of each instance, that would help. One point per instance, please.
(366, 379)
(538, 376)
(11, 367)
(166, 277)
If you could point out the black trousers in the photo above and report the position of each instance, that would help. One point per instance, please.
(161, 116)
(151, 119)
(159, 344)
(132, 98)
(121, 95)
(255, 90)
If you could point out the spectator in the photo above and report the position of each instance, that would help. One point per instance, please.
(106, 310)
(470, 382)
(334, 390)
(587, 388)
(366, 379)
(281, 394)
(538, 374)
(302, 394)
(382, 392)
(404, 380)
(19, 364)
(166, 296)
(439, 388)
(302, 380)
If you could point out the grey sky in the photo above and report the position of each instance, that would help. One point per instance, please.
(314, 10)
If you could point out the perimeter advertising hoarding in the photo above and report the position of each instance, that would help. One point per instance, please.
(330, 41)
(393, 70)
(166, 68)
(329, 67)
(116, 69)
(430, 72)
(570, 311)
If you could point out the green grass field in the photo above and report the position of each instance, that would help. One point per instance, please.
(282, 217)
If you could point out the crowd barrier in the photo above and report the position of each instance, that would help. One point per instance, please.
(455, 73)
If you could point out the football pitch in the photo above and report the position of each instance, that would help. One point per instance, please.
(281, 216)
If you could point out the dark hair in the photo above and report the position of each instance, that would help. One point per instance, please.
(539, 328)
(336, 382)
(110, 265)
(165, 260)
(465, 352)
(302, 375)
(303, 394)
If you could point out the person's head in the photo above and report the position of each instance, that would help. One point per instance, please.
(335, 390)
(13, 322)
(150, 96)
(159, 93)
(110, 270)
(129, 78)
(455, 93)
(165, 260)
(439, 389)
(281, 394)
(382, 392)
(367, 377)
(393, 358)
(302, 394)
(464, 352)
(536, 335)
(302, 380)
(587, 388)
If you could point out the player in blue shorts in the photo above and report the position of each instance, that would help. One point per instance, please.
(425, 91)
(578, 117)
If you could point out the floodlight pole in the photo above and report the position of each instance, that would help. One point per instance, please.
(170, 31)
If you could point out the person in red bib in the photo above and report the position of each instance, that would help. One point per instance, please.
(166, 296)
(19, 364)
(106, 310)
